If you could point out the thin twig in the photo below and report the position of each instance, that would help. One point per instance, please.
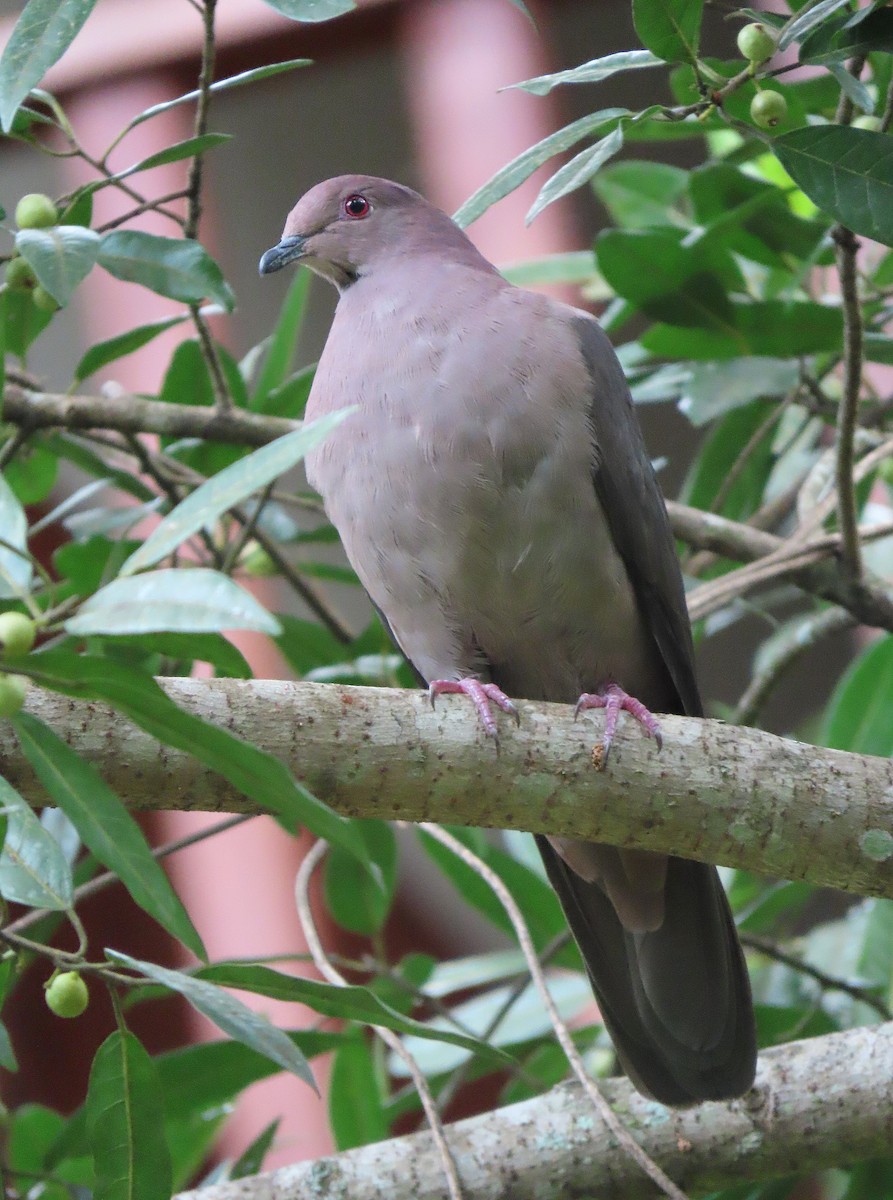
(148, 206)
(206, 76)
(321, 960)
(625, 1139)
(828, 982)
(846, 250)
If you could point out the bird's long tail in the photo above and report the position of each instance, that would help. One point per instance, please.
(676, 999)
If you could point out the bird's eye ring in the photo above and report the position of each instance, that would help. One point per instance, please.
(356, 207)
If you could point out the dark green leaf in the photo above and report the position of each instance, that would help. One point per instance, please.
(32, 473)
(719, 455)
(355, 1104)
(230, 487)
(104, 825)
(578, 171)
(311, 10)
(228, 1013)
(329, 1000)
(8, 1059)
(176, 153)
(804, 22)
(252, 1157)
(187, 380)
(23, 322)
(33, 1130)
(33, 869)
(211, 648)
(834, 42)
(591, 72)
(60, 257)
(125, 1113)
(257, 774)
(637, 194)
(178, 268)
(764, 329)
(103, 353)
(183, 600)
(307, 645)
(356, 899)
(290, 399)
(870, 1180)
(858, 714)
(281, 347)
(669, 28)
(522, 167)
(42, 34)
(846, 172)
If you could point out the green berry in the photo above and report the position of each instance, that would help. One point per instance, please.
(44, 300)
(67, 995)
(17, 633)
(36, 211)
(768, 108)
(12, 693)
(756, 43)
(19, 276)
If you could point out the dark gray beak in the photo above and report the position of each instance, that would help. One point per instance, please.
(288, 250)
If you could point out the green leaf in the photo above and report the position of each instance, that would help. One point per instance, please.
(837, 41)
(32, 473)
(638, 194)
(667, 279)
(222, 85)
(356, 899)
(181, 599)
(252, 1157)
(23, 322)
(228, 1013)
(715, 388)
(15, 568)
(804, 22)
(578, 171)
(281, 347)
(61, 257)
(846, 172)
(573, 266)
(42, 34)
(311, 10)
(189, 148)
(356, 1112)
(105, 825)
(591, 72)
(857, 715)
(230, 487)
(259, 775)
(33, 869)
(351, 1003)
(522, 167)
(180, 269)
(103, 353)
(764, 329)
(8, 1059)
(227, 660)
(719, 454)
(125, 1112)
(669, 28)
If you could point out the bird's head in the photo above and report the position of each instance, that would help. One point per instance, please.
(345, 227)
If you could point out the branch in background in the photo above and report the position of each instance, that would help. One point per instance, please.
(846, 250)
(817, 1104)
(715, 792)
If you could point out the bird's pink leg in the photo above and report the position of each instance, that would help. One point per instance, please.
(481, 695)
(614, 700)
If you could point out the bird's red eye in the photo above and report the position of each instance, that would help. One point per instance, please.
(356, 207)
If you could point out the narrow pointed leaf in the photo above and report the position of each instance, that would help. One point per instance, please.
(312, 10)
(356, 1111)
(103, 353)
(278, 357)
(592, 72)
(252, 1157)
(41, 36)
(61, 257)
(230, 487)
(15, 568)
(185, 600)
(125, 1116)
(578, 171)
(105, 825)
(228, 1013)
(804, 22)
(33, 868)
(846, 172)
(178, 268)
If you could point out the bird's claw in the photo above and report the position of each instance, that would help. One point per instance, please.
(614, 700)
(481, 696)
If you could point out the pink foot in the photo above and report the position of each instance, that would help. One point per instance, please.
(613, 699)
(481, 695)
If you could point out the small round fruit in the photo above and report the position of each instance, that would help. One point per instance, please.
(67, 995)
(43, 300)
(36, 211)
(12, 693)
(756, 43)
(19, 276)
(17, 633)
(768, 108)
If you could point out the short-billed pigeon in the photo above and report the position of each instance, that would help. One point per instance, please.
(495, 498)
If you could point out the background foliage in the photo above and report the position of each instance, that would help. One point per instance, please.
(737, 291)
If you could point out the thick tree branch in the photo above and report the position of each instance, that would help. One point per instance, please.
(816, 1104)
(715, 792)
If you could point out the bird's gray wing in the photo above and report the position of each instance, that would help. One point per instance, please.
(635, 510)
